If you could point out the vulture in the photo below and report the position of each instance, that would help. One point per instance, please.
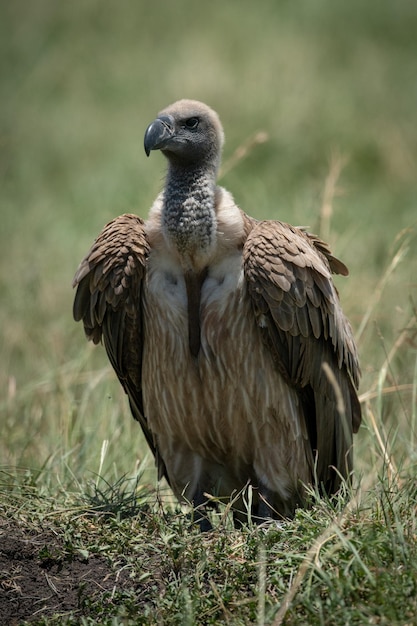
(226, 334)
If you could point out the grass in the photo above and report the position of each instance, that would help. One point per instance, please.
(318, 104)
(332, 564)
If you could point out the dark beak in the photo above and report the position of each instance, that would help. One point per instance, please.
(158, 133)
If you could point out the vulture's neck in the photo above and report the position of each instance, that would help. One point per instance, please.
(189, 215)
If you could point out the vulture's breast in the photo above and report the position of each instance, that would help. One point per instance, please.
(229, 401)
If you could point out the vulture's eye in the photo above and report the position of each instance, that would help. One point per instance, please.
(192, 123)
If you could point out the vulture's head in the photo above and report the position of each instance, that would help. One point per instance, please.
(187, 132)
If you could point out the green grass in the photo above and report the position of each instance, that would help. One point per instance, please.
(332, 85)
(333, 564)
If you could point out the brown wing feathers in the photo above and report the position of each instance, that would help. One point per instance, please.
(108, 301)
(298, 309)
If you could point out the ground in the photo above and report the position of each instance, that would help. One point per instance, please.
(37, 578)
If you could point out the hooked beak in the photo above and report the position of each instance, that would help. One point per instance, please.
(159, 133)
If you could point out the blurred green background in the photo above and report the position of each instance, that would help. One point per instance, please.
(328, 81)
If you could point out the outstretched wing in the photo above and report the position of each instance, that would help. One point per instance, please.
(297, 307)
(108, 300)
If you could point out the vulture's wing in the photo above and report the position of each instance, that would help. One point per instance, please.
(109, 302)
(288, 274)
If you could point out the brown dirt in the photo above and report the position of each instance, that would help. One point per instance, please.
(38, 579)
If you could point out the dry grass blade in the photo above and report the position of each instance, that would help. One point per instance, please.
(414, 407)
(340, 405)
(402, 338)
(336, 388)
(330, 191)
(243, 151)
(312, 555)
(371, 394)
(392, 469)
(261, 585)
(376, 296)
(226, 612)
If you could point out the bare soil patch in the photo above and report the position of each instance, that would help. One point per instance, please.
(38, 578)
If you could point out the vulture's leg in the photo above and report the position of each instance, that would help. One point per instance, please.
(261, 509)
(200, 512)
(271, 507)
(264, 510)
